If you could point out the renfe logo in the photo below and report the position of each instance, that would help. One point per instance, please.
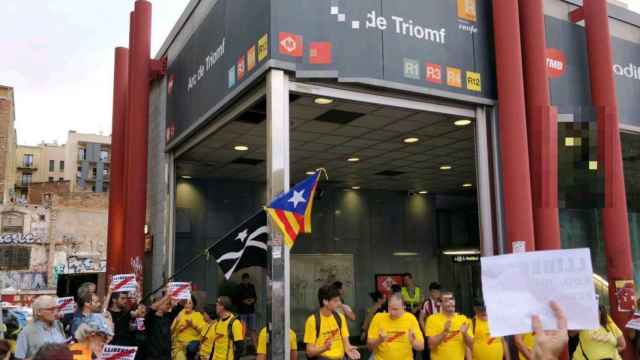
(556, 63)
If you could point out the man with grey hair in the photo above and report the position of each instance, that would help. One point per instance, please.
(396, 334)
(44, 329)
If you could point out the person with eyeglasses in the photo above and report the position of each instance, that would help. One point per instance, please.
(229, 332)
(44, 329)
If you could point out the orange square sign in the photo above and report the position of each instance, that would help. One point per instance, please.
(467, 10)
(454, 77)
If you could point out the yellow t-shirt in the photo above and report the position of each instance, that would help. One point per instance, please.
(328, 330)
(208, 336)
(223, 346)
(397, 345)
(80, 351)
(529, 340)
(452, 346)
(486, 347)
(190, 333)
(599, 344)
(263, 339)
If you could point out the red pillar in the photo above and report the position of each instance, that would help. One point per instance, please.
(115, 242)
(542, 127)
(615, 221)
(137, 138)
(518, 216)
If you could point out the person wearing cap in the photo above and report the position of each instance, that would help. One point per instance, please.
(44, 329)
(484, 346)
(378, 302)
(92, 335)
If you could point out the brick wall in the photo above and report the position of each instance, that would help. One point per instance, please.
(37, 190)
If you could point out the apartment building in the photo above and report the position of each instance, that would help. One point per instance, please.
(89, 159)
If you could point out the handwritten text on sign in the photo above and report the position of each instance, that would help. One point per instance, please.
(124, 283)
(517, 286)
(113, 352)
(180, 290)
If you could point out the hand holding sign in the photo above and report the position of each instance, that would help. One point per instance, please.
(124, 283)
(113, 352)
(179, 290)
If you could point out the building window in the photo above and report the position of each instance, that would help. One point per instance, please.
(94, 173)
(26, 179)
(61, 165)
(93, 188)
(79, 173)
(50, 178)
(52, 165)
(14, 258)
(27, 160)
(12, 222)
(61, 179)
(105, 172)
(104, 155)
(82, 154)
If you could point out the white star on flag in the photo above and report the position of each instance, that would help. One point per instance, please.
(297, 198)
(242, 236)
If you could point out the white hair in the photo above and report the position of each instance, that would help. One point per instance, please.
(43, 302)
(84, 331)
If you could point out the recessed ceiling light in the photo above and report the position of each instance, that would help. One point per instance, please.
(411, 140)
(353, 159)
(445, 167)
(405, 253)
(467, 185)
(310, 172)
(593, 165)
(186, 177)
(355, 187)
(241, 147)
(572, 141)
(462, 122)
(423, 192)
(323, 101)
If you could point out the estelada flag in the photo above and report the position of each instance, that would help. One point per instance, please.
(291, 211)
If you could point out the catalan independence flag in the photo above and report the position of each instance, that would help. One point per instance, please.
(292, 210)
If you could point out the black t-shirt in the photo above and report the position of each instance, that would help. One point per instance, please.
(158, 334)
(247, 291)
(121, 330)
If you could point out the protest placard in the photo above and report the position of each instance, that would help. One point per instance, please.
(179, 290)
(66, 305)
(124, 283)
(517, 286)
(114, 352)
(634, 323)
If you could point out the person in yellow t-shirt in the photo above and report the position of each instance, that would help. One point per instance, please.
(263, 340)
(229, 334)
(394, 335)
(524, 344)
(604, 342)
(449, 333)
(486, 347)
(186, 327)
(208, 334)
(328, 339)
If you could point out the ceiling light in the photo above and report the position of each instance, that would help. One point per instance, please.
(593, 165)
(353, 159)
(462, 122)
(323, 101)
(241, 147)
(445, 167)
(568, 141)
(423, 192)
(355, 187)
(405, 253)
(310, 172)
(600, 279)
(411, 140)
(461, 252)
(186, 177)
(467, 185)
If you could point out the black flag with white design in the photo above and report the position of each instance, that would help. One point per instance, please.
(244, 247)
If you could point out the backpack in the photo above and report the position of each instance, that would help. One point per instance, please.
(318, 320)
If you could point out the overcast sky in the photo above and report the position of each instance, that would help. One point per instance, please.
(58, 56)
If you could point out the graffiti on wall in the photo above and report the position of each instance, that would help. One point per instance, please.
(79, 265)
(21, 239)
(23, 280)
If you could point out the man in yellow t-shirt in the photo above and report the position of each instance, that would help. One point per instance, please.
(486, 347)
(325, 332)
(449, 333)
(263, 340)
(395, 334)
(229, 335)
(524, 344)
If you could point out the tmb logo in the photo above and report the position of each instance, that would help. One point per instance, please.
(290, 44)
(556, 63)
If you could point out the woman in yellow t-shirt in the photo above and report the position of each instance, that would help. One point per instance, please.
(263, 341)
(186, 328)
(605, 342)
(208, 335)
(524, 344)
(486, 347)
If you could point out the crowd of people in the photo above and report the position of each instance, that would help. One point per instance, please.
(403, 324)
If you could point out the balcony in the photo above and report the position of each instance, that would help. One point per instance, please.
(27, 166)
(22, 184)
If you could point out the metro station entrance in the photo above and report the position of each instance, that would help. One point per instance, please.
(409, 190)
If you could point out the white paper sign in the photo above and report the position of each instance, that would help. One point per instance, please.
(124, 283)
(66, 305)
(634, 323)
(113, 352)
(179, 290)
(517, 286)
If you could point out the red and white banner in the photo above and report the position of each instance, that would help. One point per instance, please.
(124, 283)
(113, 352)
(634, 323)
(66, 305)
(179, 290)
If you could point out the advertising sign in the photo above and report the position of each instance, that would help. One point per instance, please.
(114, 352)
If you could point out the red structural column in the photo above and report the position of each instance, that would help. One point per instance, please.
(542, 127)
(137, 137)
(615, 221)
(115, 242)
(518, 216)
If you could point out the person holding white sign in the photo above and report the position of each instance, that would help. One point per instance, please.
(604, 342)
(449, 333)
